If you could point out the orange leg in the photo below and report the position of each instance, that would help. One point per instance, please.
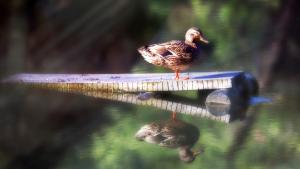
(177, 74)
(173, 115)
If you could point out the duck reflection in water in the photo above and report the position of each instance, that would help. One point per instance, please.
(173, 133)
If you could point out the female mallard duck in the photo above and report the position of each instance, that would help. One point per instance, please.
(175, 55)
(172, 134)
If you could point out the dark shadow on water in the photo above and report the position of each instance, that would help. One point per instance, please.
(38, 127)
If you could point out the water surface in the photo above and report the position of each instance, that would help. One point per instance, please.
(44, 128)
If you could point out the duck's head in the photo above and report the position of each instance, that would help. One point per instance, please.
(194, 34)
(187, 155)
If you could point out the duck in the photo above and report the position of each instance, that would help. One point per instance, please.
(175, 55)
(172, 134)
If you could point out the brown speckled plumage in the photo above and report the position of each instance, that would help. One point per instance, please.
(172, 134)
(175, 55)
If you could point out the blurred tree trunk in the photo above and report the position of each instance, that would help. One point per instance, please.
(17, 30)
(275, 50)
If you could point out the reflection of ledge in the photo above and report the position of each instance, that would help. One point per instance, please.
(128, 82)
(159, 103)
(224, 105)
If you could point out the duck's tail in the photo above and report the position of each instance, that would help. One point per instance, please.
(147, 54)
(144, 50)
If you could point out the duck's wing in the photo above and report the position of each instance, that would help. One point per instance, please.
(178, 48)
(171, 48)
(159, 49)
(173, 142)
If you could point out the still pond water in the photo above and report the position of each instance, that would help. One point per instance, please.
(42, 128)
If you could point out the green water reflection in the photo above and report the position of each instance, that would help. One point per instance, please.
(273, 141)
(87, 131)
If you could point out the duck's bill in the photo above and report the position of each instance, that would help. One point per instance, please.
(203, 40)
(198, 152)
